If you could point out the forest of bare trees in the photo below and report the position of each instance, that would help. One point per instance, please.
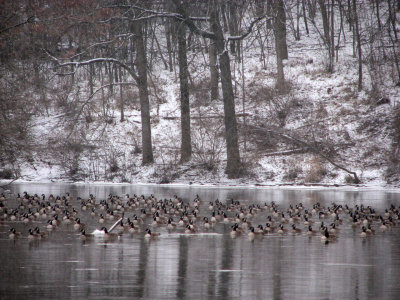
(76, 68)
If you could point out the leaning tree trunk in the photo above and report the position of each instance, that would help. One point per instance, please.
(141, 61)
(233, 164)
(186, 144)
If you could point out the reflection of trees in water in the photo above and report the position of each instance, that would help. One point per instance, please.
(276, 271)
(182, 268)
(212, 274)
(226, 264)
(141, 272)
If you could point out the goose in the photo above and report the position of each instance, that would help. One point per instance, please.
(43, 235)
(50, 225)
(206, 223)
(236, 231)
(171, 225)
(326, 237)
(189, 230)
(295, 230)
(181, 222)
(281, 230)
(151, 235)
(370, 230)
(101, 219)
(251, 234)
(133, 229)
(85, 236)
(78, 225)
(310, 231)
(32, 235)
(363, 233)
(14, 234)
(109, 236)
(268, 228)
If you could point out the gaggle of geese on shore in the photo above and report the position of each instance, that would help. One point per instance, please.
(148, 216)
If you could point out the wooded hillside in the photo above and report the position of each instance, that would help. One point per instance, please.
(302, 91)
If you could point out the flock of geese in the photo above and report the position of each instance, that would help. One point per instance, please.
(40, 216)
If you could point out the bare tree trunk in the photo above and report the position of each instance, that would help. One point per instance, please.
(121, 98)
(341, 11)
(332, 31)
(392, 18)
(233, 24)
(327, 38)
(91, 78)
(233, 164)
(304, 16)
(259, 7)
(357, 31)
(378, 17)
(279, 26)
(394, 41)
(167, 26)
(141, 61)
(214, 77)
(169, 47)
(269, 15)
(244, 104)
(349, 15)
(298, 20)
(340, 31)
(186, 143)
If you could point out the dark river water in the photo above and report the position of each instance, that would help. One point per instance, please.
(208, 264)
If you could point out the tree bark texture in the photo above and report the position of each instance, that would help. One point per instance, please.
(233, 164)
(327, 38)
(279, 27)
(141, 62)
(186, 142)
(357, 31)
(214, 76)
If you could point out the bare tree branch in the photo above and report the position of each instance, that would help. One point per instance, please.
(17, 25)
(78, 64)
(6, 186)
(127, 35)
(248, 31)
(309, 147)
(154, 14)
(192, 26)
(91, 97)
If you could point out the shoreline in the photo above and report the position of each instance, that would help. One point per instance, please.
(4, 183)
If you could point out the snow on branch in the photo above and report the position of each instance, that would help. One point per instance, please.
(154, 13)
(78, 64)
(248, 31)
(144, 18)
